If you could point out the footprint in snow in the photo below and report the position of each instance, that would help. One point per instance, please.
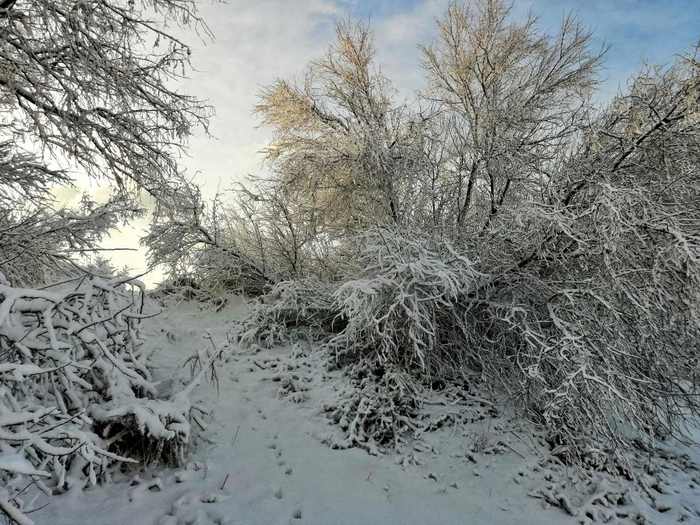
(141, 488)
(189, 509)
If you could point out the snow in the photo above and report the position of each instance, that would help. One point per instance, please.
(264, 458)
(15, 462)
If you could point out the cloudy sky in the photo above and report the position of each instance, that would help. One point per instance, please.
(257, 41)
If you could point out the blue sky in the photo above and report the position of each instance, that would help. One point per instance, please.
(635, 30)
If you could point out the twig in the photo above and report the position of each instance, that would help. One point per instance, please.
(512, 449)
(235, 437)
(224, 482)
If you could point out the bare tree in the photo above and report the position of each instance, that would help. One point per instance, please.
(91, 82)
(340, 137)
(87, 85)
(515, 97)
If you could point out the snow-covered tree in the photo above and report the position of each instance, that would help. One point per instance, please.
(91, 82)
(501, 225)
(86, 87)
(512, 98)
(341, 141)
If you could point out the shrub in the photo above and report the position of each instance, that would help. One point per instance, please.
(75, 394)
(291, 309)
(405, 306)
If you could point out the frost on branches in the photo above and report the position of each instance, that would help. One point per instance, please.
(515, 235)
(75, 394)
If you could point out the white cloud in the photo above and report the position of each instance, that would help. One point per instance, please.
(398, 39)
(255, 43)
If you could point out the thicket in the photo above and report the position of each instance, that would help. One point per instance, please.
(501, 226)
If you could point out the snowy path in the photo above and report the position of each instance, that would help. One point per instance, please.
(262, 460)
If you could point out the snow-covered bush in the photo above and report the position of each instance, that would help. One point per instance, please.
(75, 393)
(290, 309)
(405, 305)
(195, 247)
(597, 313)
(381, 409)
(246, 245)
(597, 357)
(397, 324)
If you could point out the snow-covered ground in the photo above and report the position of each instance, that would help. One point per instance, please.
(264, 459)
